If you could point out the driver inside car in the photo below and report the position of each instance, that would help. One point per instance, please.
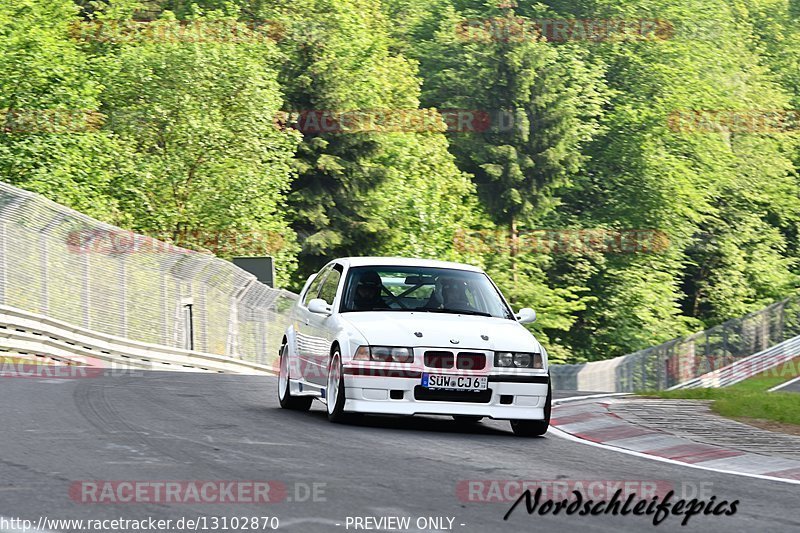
(368, 292)
(451, 294)
(454, 295)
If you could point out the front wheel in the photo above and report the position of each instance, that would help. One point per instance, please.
(285, 398)
(535, 428)
(334, 393)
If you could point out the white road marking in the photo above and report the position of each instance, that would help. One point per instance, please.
(782, 385)
(564, 435)
(590, 397)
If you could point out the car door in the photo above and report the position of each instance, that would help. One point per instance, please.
(307, 341)
(322, 326)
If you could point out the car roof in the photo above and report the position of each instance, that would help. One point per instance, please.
(405, 261)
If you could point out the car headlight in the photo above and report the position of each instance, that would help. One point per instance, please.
(384, 354)
(522, 360)
(518, 360)
(504, 359)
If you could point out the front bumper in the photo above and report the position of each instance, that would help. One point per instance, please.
(510, 397)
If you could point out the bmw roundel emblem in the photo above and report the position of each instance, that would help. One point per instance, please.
(454, 341)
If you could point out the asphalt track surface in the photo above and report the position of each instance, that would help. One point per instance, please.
(794, 386)
(181, 426)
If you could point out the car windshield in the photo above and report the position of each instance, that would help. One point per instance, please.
(427, 289)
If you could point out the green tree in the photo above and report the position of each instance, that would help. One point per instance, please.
(355, 190)
(205, 160)
(544, 102)
(49, 141)
(648, 171)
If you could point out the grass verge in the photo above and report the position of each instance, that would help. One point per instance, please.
(749, 399)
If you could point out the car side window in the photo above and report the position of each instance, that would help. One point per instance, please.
(313, 289)
(328, 291)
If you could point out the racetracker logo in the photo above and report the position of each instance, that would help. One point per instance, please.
(50, 121)
(509, 490)
(178, 31)
(517, 29)
(760, 121)
(306, 367)
(42, 367)
(220, 243)
(178, 492)
(321, 121)
(563, 241)
(684, 366)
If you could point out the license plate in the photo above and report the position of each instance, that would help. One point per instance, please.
(446, 382)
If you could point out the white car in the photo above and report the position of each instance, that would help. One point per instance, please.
(387, 335)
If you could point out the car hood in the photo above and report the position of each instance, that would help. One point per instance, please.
(439, 329)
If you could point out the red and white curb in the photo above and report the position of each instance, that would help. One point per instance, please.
(590, 421)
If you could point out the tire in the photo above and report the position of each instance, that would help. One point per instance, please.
(535, 428)
(467, 419)
(285, 398)
(335, 392)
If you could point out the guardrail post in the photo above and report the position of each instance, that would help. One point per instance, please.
(44, 300)
(123, 279)
(725, 353)
(232, 344)
(234, 323)
(262, 350)
(202, 316)
(86, 290)
(642, 373)
(179, 320)
(189, 325)
(165, 309)
(3, 256)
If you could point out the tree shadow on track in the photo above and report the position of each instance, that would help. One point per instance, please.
(417, 423)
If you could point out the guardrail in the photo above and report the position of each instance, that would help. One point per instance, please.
(76, 274)
(59, 263)
(747, 367)
(29, 334)
(687, 358)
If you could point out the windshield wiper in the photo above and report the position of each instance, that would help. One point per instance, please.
(454, 311)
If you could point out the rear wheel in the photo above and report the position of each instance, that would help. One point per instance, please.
(285, 398)
(535, 428)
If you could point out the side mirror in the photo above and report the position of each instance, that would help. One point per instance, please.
(526, 315)
(319, 307)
